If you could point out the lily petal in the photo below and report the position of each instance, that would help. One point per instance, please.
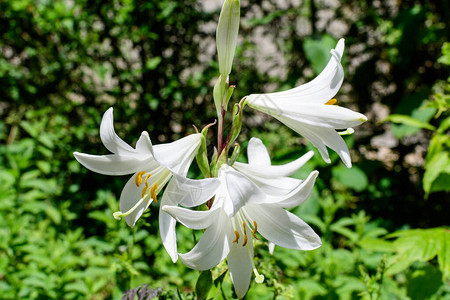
(297, 196)
(212, 247)
(167, 224)
(321, 137)
(178, 155)
(194, 219)
(240, 266)
(144, 144)
(257, 153)
(274, 171)
(282, 227)
(168, 234)
(132, 193)
(114, 164)
(276, 187)
(191, 192)
(321, 89)
(129, 198)
(241, 191)
(109, 137)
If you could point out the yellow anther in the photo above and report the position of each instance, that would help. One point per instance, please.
(245, 241)
(254, 230)
(237, 237)
(144, 190)
(138, 178)
(245, 234)
(331, 102)
(153, 191)
(146, 178)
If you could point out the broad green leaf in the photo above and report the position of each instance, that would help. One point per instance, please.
(445, 58)
(153, 63)
(375, 232)
(376, 245)
(438, 143)
(204, 284)
(53, 214)
(424, 283)
(78, 286)
(444, 253)
(419, 113)
(353, 178)
(309, 288)
(44, 166)
(315, 220)
(317, 51)
(348, 285)
(407, 120)
(438, 164)
(311, 206)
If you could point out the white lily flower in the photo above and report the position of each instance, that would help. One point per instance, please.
(308, 110)
(152, 166)
(246, 203)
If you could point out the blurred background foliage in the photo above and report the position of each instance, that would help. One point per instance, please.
(63, 63)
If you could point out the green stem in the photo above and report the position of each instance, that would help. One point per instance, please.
(130, 253)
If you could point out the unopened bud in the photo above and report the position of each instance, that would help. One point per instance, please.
(227, 34)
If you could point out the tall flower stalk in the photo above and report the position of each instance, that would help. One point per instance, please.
(240, 202)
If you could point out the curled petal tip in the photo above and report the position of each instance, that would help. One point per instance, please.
(363, 118)
(340, 46)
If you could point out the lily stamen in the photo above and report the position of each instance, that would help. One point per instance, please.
(237, 237)
(144, 190)
(348, 131)
(138, 178)
(259, 278)
(153, 192)
(331, 102)
(245, 234)
(118, 214)
(146, 178)
(255, 228)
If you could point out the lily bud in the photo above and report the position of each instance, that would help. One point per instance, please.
(227, 34)
(220, 88)
(236, 125)
(202, 156)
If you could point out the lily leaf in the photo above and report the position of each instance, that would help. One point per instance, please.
(407, 120)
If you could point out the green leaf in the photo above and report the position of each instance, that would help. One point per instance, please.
(353, 178)
(444, 254)
(53, 214)
(44, 166)
(153, 63)
(440, 163)
(445, 58)
(308, 288)
(203, 285)
(317, 51)
(425, 283)
(378, 245)
(407, 120)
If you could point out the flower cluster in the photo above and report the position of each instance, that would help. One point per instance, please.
(245, 201)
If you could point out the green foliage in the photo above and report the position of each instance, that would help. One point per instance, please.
(422, 246)
(317, 51)
(437, 163)
(204, 284)
(63, 63)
